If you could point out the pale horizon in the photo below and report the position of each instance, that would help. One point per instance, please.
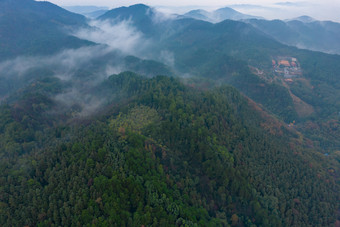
(269, 9)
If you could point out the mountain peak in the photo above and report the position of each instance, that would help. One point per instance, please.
(133, 8)
(305, 19)
(140, 6)
(226, 10)
(133, 11)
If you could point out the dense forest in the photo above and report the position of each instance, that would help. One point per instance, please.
(162, 154)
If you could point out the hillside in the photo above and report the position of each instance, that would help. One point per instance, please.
(29, 27)
(162, 154)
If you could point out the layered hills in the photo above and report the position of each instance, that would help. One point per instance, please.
(303, 32)
(218, 15)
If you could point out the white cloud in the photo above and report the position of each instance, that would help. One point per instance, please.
(160, 16)
(120, 36)
(167, 57)
(66, 65)
(63, 63)
(87, 103)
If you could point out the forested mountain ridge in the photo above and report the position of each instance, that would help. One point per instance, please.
(188, 157)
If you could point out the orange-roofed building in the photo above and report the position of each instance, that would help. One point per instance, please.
(285, 63)
(293, 64)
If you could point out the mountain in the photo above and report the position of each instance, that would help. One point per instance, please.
(153, 24)
(232, 52)
(231, 14)
(304, 19)
(218, 15)
(303, 32)
(39, 10)
(29, 27)
(139, 14)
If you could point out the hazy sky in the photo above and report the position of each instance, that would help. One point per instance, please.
(271, 9)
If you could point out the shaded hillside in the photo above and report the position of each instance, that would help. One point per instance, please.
(28, 27)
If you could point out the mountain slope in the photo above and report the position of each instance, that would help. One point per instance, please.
(162, 154)
(28, 27)
(303, 33)
(224, 52)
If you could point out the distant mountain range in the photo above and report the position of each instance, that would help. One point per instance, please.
(85, 9)
(303, 32)
(95, 14)
(88, 11)
(304, 19)
(218, 15)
